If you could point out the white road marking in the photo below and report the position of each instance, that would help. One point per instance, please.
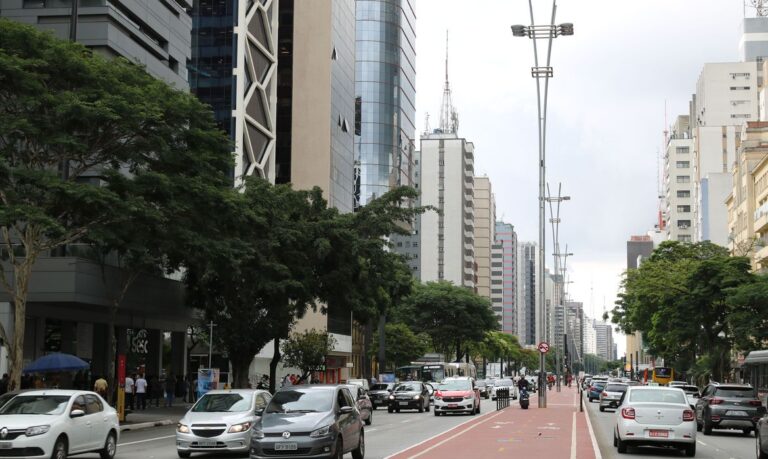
(146, 441)
(407, 420)
(371, 430)
(573, 437)
(701, 443)
(596, 448)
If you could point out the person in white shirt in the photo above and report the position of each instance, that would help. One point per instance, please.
(141, 393)
(129, 389)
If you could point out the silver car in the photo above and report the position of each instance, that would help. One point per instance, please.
(655, 416)
(221, 421)
(611, 395)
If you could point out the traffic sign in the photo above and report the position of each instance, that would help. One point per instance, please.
(543, 347)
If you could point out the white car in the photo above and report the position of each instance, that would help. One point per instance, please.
(58, 423)
(504, 384)
(221, 422)
(655, 416)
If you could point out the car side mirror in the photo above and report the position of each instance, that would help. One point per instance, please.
(76, 413)
(346, 409)
(259, 411)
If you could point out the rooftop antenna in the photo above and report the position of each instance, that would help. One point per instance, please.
(426, 123)
(449, 118)
(760, 6)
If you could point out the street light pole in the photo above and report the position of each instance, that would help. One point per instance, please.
(559, 291)
(548, 32)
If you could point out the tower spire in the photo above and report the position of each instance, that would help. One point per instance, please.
(449, 118)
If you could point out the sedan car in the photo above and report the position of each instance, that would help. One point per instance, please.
(409, 396)
(379, 394)
(655, 416)
(611, 395)
(761, 437)
(728, 406)
(504, 384)
(593, 393)
(364, 405)
(57, 423)
(309, 421)
(482, 386)
(220, 421)
(456, 396)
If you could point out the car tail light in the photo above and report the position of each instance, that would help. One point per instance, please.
(628, 413)
(715, 401)
(715, 417)
(754, 403)
(604, 394)
(688, 415)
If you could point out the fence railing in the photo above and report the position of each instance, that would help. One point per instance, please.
(502, 398)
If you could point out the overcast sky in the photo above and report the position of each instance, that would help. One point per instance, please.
(606, 111)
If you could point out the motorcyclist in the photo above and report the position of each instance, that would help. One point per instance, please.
(523, 385)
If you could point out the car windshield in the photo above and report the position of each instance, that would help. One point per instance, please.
(455, 385)
(599, 384)
(657, 395)
(222, 403)
(504, 382)
(408, 388)
(36, 404)
(690, 389)
(380, 387)
(480, 384)
(735, 392)
(301, 400)
(615, 388)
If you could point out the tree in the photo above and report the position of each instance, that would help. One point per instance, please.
(77, 134)
(452, 316)
(748, 316)
(404, 345)
(307, 351)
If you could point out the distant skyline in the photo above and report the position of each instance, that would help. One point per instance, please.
(612, 81)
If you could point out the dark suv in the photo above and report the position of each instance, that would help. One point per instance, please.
(409, 395)
(728, 406)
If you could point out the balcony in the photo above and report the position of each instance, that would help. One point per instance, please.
(761, 256)
(761, 218)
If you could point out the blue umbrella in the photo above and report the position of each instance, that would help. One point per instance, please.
(56, 362)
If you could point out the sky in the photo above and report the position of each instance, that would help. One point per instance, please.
(626, 65)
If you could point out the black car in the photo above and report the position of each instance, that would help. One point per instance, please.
(728, 406)
(409, 396)
(379, 394)
(483, 387)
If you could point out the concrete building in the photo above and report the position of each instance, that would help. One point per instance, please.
(409, 246)
(753, 45)
(527, 293)
(639, 248)
(485, 234)
(385, 94)
(575, 330)
(589, 338)
(678, 187)
(603, 339)
(506, 236)
(497, 281)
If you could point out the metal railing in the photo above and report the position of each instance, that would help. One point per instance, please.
(502, 398)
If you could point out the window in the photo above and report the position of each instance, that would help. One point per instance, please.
(496, 281)
(497, 273)
(683, 164)
(682, 150)
(93, 405)
(415, 244)
(496, 291)
(739, 88)
(684, 238)
(741, 116)
(497, 264)
(683, 193)
(684, 209)
(683, 179)
(683, 224)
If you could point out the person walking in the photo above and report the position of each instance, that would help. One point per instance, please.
(170, 390)
(130, 385)
(101, 387)
(141, 392)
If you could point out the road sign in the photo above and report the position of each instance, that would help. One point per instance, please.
(543, 347)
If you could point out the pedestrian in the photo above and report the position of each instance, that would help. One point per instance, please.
(4, 384)
(141, 392)
(181, 389)
(286, 381)
(100, 387)
(130, 385)
(170, 390)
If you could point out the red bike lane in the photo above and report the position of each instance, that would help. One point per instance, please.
(558, 431)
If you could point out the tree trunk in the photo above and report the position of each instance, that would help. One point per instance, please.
(22, 273)
(382, 343)
(273, 366)
(240, 369)
(367, 343)
(458, 351)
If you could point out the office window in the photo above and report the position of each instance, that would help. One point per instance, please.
(683, 193)
(684, 209)
(684, 238)
(739, 88)
(682, 150)
(683, 179)
(683, 224)
(683, 164)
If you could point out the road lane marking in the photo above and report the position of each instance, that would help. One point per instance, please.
(573, 437)
(146, 441)
(371, 430)
(701, 443)
(407, 420)
(598, 454)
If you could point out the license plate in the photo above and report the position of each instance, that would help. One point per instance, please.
(736, 413)
(659, 433)
(453, 405)
(6, 445)
(403, 403)
(206, 443)
(286, 446)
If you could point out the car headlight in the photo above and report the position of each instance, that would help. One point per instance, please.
(237, 428)
(321, 432)
(416, 397)
(182, 428)
(257, 433)
(37, 430)
(391, 397)
(468, 397)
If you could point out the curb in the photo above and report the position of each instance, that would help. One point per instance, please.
(145, 425)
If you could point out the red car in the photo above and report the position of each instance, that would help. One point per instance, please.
(457, 395)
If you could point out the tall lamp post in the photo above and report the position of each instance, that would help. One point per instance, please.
(547, 32)
(557, 300)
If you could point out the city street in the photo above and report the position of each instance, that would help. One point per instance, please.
(722, 444)
(389, 434)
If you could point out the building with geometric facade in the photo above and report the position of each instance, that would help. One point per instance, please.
(507, 238)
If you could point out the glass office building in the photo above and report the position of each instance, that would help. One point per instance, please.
(385, 91)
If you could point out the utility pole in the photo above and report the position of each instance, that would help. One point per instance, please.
(558, 299)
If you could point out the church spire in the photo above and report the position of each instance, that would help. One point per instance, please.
(449, 118)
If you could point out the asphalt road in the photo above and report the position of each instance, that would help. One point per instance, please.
(722, 444)
(389, 434)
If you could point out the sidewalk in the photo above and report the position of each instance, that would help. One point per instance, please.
(154, 416)
(559, 431)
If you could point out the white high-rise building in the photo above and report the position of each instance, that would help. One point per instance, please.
(505, 235)
(678, 183)
(603, 339)
(527, 294)
(589, 336)
(485, 234)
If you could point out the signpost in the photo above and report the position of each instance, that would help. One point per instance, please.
(543, 347)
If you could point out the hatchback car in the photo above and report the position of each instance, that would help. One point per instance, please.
(379, 394)
(482, 386)
(504, 384)
(309, 421)
(410, 395)
(728, 406)
(456, 396)
(220, 421)
(611, 395)
(655, 416)
(57, 423)
(363, 403)
(593, 393)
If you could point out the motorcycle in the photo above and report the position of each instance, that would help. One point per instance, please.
(524, 399)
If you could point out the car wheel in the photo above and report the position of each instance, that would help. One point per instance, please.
(602, 409)
(698, 426)
(359, 452)
(690, 450)
(339, 453)
(369, 421)
(437, 413)
(397, 410)
(760, 453)
(621, 445)
(746, 432)
(110, 447)
(373, 406)
(707, 427)
(183, 454)
(615, 443)
(390, 409)
(59, 449)
(421, 406)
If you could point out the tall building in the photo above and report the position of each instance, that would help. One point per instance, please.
(754, 45)
(527, 294)
(385, 93)
(485, 234)
(589, 338)
(678, 185)
(507, 259)
(497, 281)
(604, 339)
(575, 330)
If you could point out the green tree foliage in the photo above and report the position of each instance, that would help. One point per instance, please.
(87, 144)
(403, 345)
(748, 318)
(308, 351)
(454, 317)
(679, 299)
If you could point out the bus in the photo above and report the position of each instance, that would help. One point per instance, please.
(438, 371)
(663, 375)
(408, 373)
(756, 372)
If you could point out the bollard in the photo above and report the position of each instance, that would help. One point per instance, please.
(502, 399)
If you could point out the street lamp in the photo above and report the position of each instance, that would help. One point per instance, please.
(559, 293)
(548, 32)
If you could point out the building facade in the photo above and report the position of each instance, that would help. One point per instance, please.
(678, 183)
(507, 259)
(497, 281)
(604, 340)
(527, 294)
(485, 234)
